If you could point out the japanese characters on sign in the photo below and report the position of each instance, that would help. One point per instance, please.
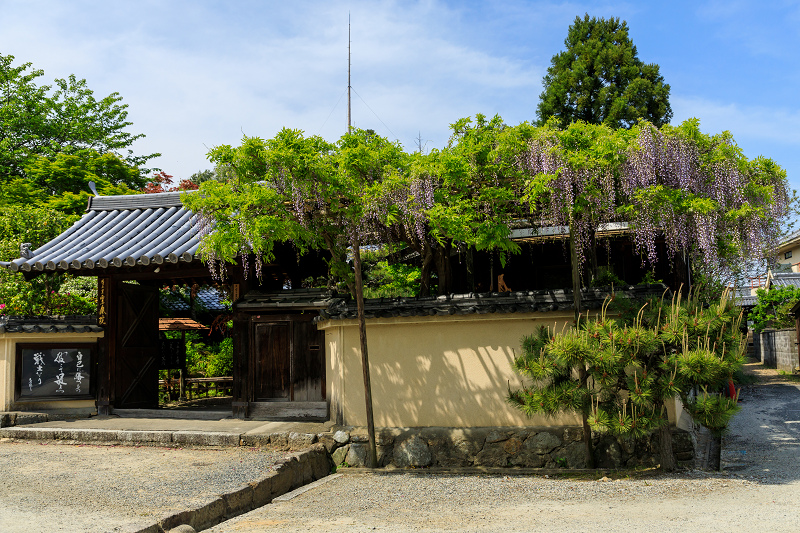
(55, 372)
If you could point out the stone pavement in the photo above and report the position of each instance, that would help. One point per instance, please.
(170, 431)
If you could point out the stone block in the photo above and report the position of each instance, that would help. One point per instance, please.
(574, 454)
(293, 472)
(446, 453)
(279, 441)
(357, 454)
(512, 446)
(238, 501)
(527, 459)
(21, 419)
(573, 434)
(384, 438)
(28, 433)
(263, 490)
(412, 451)
(543, 442)
(205, 438)
(207, 514)
(301, 441)
(282, 482)
(328, 441)
(341, 436)
(385, 454)
(163, 438)
(340, 454)
(607, 454)
(320, 463)
(497, 436)
(255, 441)
(493, 455)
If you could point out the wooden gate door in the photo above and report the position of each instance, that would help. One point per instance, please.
(308, 361)
(288, 362)
(136, 354)
(272, 376)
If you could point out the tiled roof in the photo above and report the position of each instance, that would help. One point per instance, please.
(482, 303)
(789, 239)
(785, 279)
(179, 324)
(296, 299)
(49, 324)
(120, 231)
(562, 232)
(746, 301)
(207, 298)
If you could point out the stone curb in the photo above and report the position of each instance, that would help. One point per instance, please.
(478, 470)
(297, 470)
(125, 437)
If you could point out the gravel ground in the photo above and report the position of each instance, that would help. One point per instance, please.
(48, 486)
(759, 489)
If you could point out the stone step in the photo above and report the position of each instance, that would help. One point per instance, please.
(182, 414)
(294, 411)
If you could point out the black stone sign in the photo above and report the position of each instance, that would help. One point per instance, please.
(54, 372)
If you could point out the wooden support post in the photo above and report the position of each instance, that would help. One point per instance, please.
(372, 457)
(182, 370)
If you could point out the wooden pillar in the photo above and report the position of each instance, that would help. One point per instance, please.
(242, 358)
(107, 318)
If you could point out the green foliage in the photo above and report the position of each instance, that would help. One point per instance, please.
(773, 306)
(57, 294)
(635, 365)
(204, 359)
(466, 197)
(209, 360)
(606, 278)
(385, 280)
(39, 121)
(599, 79)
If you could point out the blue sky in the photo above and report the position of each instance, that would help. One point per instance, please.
(199, 74)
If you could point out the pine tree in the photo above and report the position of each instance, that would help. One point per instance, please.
(635, 364)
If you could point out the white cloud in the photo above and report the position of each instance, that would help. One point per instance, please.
(197, 74)
(753, 122)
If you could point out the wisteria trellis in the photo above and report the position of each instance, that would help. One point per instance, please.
(697, 192)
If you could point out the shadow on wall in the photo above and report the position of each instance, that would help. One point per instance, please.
(419, 379)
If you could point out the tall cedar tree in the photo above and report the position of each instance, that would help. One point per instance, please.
(599, 79)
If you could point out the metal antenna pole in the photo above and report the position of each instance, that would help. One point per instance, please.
(349, 126)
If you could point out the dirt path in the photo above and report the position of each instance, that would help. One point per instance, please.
(759, 490)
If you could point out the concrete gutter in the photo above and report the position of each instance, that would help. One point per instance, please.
(299, 469)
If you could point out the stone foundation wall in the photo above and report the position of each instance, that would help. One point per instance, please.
(529, 447)
(779, 349)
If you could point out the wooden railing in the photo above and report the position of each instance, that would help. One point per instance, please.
(197, 387)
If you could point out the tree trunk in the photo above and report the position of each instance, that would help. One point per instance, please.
(583, 374)
(425, 275)
(470, 263)
(576, 279)
(442, 257)
(668, 463)
(587, 430)
(372, 456)
(714, 453)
